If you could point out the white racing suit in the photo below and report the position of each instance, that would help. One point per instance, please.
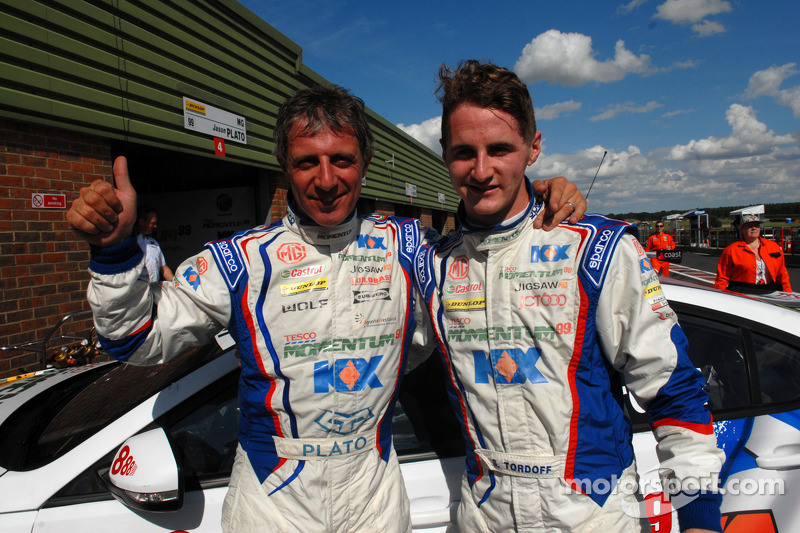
(324, 320)
(538, 333)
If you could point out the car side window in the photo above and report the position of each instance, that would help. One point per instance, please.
(423, 421)
(778, 367)
(717, 350)
(205, 432)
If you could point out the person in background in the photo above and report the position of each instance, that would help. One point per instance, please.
(658, 242)
(558, 323)
(317, 390)
(154, 262)
(752, 264)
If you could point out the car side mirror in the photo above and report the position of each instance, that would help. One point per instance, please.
(145, 474)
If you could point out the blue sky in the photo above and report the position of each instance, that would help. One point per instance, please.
(697, 102)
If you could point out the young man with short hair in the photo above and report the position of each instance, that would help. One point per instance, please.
(540, 331)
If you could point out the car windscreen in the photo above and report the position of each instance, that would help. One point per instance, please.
(59, 419)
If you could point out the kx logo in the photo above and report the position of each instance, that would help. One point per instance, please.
(345, 375)
(343, 423)
(549, 253)
(506, 366)
(645, 266)
(370, 242)
(192, 277)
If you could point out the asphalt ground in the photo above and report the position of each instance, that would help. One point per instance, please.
(706, 261)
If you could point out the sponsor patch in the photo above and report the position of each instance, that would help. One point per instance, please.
(347, 375)
(310, 305)
(290, 273)
(549, 253)
(465, 305)
(459, 268)
(542, 300)
(343, 423)
(371, 243)
(370, 280)
(362, 320)
(319, 284)
(464, 288)
(192, 278)
(291, 252)
(507, 366)
(360, 297)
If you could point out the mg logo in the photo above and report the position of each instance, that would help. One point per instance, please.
(460, 268)
(291, 252)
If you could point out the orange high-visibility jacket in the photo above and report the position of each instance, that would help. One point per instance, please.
(738, 263)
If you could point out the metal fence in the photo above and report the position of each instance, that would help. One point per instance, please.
(788, 239)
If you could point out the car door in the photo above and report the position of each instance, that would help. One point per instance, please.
(203, 431)
(752, 375)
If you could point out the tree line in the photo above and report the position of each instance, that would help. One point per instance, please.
(776, 211)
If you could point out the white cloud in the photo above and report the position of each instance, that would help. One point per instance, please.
(625, 8)
(748, 137)
(691, 11)
(549, 112)
(708, 27)
(767, 83)
(428, 132)
(671, 114)
(628, 108)
(694, 12)
(751, 165)
(568, 59)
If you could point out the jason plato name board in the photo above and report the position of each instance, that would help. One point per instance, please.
(213, 121)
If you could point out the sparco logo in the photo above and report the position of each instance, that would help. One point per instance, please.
(408, 238)
(360, 297)
(460, 268)
(227, 256)
(599, 249)
(421, 269)
(291, 252)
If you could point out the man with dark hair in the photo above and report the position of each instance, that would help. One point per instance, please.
(317, 389)
(558, 322)
(155, 265)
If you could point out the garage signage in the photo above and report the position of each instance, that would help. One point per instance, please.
(48, 201)
(213, 121)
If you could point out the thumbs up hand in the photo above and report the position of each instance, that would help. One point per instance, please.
(103, 215)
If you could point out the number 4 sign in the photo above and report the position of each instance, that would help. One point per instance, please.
(219, 146)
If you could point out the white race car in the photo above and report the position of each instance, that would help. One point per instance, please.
(113, 447)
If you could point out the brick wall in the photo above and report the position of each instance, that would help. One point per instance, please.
(43, 267)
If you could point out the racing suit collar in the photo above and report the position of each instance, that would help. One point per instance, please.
(486, 238)
(313, 233)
